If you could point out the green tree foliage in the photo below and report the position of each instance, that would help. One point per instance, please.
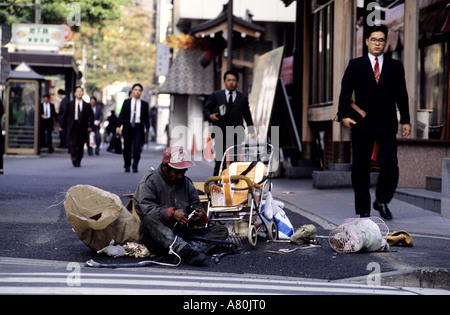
(115, 35)
(119, 52)
(93, 12)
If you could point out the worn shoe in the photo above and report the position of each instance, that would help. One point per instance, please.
(191, 256)
(383, 209)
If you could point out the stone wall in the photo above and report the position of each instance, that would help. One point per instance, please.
(420, 158)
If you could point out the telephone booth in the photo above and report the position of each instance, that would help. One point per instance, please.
(23, 88)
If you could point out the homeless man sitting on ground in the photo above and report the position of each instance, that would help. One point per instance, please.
(163, 200)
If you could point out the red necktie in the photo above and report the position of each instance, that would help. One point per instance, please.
(377, 70)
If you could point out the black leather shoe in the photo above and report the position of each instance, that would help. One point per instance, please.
(364, 215)
(383, 209)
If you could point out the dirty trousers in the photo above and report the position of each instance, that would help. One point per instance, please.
(157, 236)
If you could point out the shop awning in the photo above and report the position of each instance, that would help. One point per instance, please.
(51, 63)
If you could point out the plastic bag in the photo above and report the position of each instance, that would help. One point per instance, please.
(285, 228)
(92, 139)
(363, 234)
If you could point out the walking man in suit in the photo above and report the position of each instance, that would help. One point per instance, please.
(134, 120)
(47, 113)
(78, 119)
(97, 109)
(380, 88)
(227, 108)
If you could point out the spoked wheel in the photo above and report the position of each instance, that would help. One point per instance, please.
(252, 235)
(273, 231)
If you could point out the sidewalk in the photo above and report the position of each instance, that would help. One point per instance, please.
(330, 207)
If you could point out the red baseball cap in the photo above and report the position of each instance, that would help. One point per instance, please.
(177, 157)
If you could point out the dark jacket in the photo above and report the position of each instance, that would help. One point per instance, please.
(234, 116)
(125, 115)
(68, 118)
(155, 194)
(378, 100)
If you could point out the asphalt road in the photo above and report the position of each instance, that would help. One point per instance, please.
(33, 223)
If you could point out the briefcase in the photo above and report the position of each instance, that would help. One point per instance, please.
(356, 113)
(115, 146)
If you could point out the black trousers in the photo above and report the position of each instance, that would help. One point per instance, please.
(78, 136)
(47, 129)
(362, 146)
(133, 140)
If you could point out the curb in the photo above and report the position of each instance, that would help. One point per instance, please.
(424, 277)
(324, 223)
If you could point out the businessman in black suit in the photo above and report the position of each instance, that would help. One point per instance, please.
(134, 120)
(379, 86)
(78, 119)
(47, 114)
(224, 111)
(97, 109)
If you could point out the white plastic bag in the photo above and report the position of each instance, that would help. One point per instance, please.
(285, 228)
(359, 234)
(268, 210)
(92, 139)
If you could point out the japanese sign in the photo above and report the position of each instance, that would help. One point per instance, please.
(38, 35)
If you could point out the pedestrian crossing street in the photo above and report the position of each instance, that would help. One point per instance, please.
(160, 281)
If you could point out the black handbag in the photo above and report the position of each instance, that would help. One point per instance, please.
(115, 146)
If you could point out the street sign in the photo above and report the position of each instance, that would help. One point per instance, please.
(162, 59)
(43, 35)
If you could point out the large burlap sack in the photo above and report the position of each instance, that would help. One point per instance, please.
(98, 216)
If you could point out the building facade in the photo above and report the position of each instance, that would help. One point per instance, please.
(333, 33)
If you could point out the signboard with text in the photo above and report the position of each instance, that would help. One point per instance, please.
(38, 35)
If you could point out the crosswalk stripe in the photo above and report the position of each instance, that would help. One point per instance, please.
(166, 283)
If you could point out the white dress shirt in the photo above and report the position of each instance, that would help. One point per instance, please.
(47, 110)
(78, 105)
(136, 106)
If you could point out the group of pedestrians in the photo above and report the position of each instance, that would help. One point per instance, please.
(77, 119)
(79, 124)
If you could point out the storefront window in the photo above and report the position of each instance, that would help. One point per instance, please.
(433, 70)
(322, 56)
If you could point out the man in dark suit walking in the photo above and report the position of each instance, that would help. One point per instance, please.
(227, 108)
(78, 119)
(97, 109)
(380, 88)
(134, 120)
(47, 114)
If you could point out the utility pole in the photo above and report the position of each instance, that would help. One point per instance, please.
(37, 11)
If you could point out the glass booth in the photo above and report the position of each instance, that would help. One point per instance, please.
(22, 111)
